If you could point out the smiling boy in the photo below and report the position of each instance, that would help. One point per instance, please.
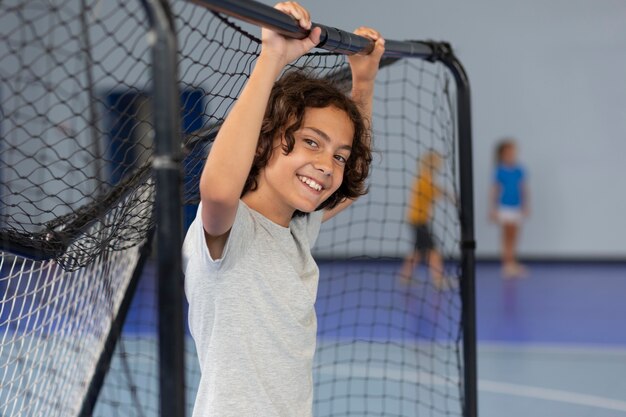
(290, 154)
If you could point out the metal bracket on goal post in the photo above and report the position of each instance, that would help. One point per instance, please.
(167, 165)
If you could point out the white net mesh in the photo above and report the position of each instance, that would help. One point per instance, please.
(76, 141)
(54, 324)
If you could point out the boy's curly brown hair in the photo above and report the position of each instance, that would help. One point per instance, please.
(291, 95)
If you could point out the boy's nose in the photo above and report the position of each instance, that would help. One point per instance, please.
(324, 164)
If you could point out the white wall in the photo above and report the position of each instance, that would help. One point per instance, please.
(550, 73)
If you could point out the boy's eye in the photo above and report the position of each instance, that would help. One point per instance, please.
(341, 159)
(310, 142)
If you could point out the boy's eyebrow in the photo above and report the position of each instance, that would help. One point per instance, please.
(326, 138)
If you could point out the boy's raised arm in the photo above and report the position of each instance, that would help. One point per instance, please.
(364, 69)
(229, 162)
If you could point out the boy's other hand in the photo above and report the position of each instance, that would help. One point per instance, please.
(365, 67)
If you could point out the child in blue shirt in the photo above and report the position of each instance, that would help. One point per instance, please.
(509, 204)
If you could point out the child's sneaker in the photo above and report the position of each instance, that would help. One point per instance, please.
(514, 270)
(445, 283)
(520, 271)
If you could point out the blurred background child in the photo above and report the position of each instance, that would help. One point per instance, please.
(509, 204)
(424, 193)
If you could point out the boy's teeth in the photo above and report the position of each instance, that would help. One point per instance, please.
(310, 183)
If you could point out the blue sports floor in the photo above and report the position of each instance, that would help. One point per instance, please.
(552, 344)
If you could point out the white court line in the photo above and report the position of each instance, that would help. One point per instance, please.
(551, 395)
(483, 385)
(552, 348)
(496, 387)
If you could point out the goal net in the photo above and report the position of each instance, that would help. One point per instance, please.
(76, 216)
(76, 193)
(385, 346)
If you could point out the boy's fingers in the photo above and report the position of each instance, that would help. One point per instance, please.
(288, 8)
(304, 12)
(380, 41)
(296, 11)
(315, 34)
(368, 33)
(374, 35)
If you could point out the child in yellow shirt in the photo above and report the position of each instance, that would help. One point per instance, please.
(424, 193)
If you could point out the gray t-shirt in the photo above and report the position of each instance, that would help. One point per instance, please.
(252, 317)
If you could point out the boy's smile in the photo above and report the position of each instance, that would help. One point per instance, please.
(311, 183)
(303, 179)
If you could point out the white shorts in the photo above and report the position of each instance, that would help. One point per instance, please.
(510, 215)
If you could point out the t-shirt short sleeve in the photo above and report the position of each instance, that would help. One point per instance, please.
(240, 234)
(310, 224)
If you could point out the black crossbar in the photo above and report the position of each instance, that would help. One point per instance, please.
(332, 39)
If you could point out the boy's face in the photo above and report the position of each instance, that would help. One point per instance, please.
(313, 170)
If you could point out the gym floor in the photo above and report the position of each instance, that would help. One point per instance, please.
(551, 344)
(554, 343)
